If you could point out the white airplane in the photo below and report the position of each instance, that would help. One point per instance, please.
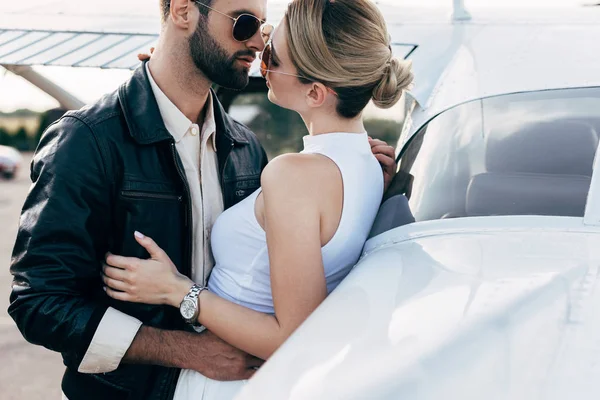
(481, 277)
(480, 280)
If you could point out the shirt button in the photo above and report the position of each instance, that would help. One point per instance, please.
(194, 131)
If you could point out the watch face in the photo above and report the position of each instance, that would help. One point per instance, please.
(187, 309)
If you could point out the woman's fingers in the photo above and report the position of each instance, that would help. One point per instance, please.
(128, 263)
(145, 56)
(114, 273)
(122, 296)
(156, 253)
(115, 284)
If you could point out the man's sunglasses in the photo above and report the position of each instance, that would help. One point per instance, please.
(245, 26)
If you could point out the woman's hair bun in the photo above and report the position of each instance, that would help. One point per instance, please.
(397, 78)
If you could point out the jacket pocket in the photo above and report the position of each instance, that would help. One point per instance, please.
(157, 215)
(160, 216)
(241, 188)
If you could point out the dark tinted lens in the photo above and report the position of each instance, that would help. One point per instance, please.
(264, 60)
(245, 27)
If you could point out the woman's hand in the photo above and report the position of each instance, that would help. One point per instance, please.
(152, 281)
(145, 56)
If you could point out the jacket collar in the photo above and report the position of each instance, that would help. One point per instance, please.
(143, 118)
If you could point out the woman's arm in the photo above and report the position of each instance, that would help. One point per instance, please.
(290, 189)
(292, 225)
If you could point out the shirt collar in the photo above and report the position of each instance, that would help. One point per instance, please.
(175, 121)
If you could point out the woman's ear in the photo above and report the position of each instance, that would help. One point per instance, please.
(317, 94)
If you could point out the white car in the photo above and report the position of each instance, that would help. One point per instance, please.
(10, 161)
(481, 278)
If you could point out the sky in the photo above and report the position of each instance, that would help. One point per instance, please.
(89, 84)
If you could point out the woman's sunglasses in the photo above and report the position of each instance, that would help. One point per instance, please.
(265, 62)
(265, 65)
(245, 26)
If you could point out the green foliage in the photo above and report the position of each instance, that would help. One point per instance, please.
(280, 131)
(20, 140)
(22, 112)
(21, 130)
(384, 129)
(5, 138)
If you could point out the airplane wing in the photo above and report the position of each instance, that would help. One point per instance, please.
(86, 33)
(106, 34)
(73, 49)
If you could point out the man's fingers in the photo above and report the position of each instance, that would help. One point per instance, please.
(377, 142)
(387, 162)
(384, 149)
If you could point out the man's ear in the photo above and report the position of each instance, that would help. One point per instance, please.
(181, 12)
(316, 95)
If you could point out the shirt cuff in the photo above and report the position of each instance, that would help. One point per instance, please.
(111, 341)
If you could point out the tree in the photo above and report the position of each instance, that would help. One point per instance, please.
(20, 139)
(5, 138)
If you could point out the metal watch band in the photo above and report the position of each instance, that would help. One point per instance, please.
(193, 295)
(194, 292)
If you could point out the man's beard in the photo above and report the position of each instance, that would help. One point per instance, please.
(215, 64)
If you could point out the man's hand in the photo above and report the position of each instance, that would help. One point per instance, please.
(204, 352)
(218, 360)
(386, 155)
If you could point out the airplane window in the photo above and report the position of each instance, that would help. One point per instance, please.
(520, 154)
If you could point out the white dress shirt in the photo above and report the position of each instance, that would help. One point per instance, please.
(197, 149)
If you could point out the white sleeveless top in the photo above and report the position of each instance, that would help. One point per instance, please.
(242, 273)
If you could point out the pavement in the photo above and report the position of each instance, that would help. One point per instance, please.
(26, 371)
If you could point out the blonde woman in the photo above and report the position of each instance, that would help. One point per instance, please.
(298, 236)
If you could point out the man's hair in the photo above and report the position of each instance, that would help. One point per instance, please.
(165, 6)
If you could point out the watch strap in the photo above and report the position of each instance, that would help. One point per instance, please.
(193, 295)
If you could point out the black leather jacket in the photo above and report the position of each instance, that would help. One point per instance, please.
(98, 175)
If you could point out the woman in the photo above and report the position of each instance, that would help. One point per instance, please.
(299, 235)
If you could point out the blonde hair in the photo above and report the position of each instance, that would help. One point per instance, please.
(345, 45)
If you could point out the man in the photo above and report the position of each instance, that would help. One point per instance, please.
(159, 156)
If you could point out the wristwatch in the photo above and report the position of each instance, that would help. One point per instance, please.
(189, 308)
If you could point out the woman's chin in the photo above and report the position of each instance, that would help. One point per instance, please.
(272, 97)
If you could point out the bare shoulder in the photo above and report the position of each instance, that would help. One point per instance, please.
(298, 172)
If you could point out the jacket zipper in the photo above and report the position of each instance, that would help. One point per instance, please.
(188, 214)
(147, 195)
